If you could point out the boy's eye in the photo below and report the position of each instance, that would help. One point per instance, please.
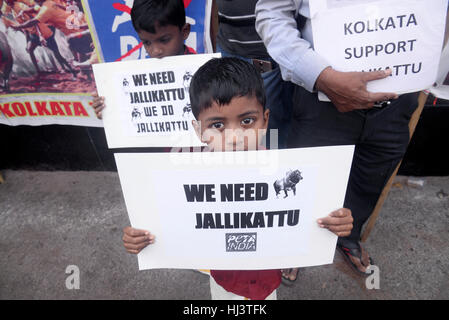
(247, 121)
(146, 43)
(217, 125)
(164, 40)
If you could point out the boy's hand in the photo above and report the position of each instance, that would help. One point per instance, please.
(339, 222)
(98, 104)
(135, 240)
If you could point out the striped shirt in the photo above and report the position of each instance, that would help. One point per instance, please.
(237, 33)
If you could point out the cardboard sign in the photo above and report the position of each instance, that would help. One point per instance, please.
(405, 36)
(235, 210)
(147, 101)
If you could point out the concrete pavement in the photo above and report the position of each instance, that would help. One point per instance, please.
(50, 220)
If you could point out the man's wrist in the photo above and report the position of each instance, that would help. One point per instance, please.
(322, 80)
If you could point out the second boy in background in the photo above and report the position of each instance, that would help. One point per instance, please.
(162, 28)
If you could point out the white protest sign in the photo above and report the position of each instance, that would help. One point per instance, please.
(147, 101)
(405, 36)
(235, 210)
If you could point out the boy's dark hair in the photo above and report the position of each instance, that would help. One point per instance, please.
(146, 14)
(221, 79)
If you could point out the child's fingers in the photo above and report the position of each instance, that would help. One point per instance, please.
(138, 240)
(331, 221)
(340, 213)
(338, 217)
(132, 232)
(134, 240)
(339, 228)
(99, 108)
(138, 247)
(98, 102)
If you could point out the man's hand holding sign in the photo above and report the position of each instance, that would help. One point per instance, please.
(348, 90)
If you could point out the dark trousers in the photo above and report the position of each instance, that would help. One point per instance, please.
(380, 136)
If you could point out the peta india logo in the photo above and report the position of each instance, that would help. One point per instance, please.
(241, 242)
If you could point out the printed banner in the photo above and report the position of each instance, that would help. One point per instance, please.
(46, 51)
(119, 41)
(405, 36)
(45, 65)
(235, 210)
(148, 103)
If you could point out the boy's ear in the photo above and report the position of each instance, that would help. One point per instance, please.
(197, 126)
(266, 117)
(185, 31)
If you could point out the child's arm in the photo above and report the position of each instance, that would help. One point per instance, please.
(135, 240)
(98, 104)
(338, 222)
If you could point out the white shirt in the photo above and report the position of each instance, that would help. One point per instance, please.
(291, 48)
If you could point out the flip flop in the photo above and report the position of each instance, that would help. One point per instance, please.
(356, 253)
(286, 280)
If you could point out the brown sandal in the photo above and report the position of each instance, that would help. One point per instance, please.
(356, 253)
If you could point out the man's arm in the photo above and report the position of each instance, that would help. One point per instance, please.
(300, 64)
(276, 25)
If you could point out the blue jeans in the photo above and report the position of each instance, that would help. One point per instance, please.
(279, 95)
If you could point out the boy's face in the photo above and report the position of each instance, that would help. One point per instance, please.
(167, 41)
(238, 126)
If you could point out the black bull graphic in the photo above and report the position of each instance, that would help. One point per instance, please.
(288, 182)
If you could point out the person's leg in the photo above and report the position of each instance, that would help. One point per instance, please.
(383, 144)
(381, 137)
(315, 123)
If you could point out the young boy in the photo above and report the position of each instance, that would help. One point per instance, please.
(162, 28)
(228, 99)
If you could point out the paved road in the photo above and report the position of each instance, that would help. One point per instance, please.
(50, 220)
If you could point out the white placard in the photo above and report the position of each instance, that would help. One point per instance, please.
(405, 36)
(147, 101)
(231, 210)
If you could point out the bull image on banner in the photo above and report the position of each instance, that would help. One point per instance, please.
(46, 51)
(47, 48)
